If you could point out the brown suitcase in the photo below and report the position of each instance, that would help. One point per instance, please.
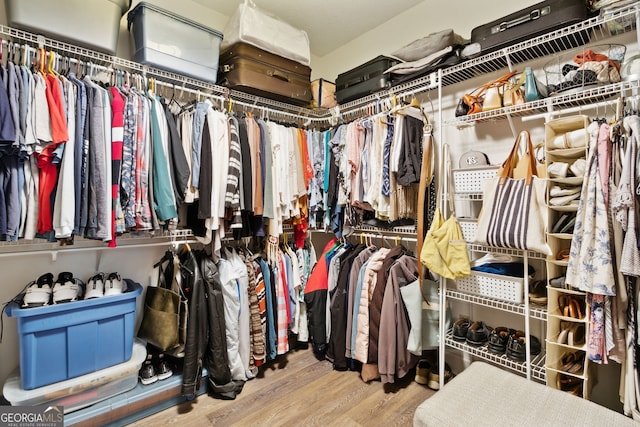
(247, 68)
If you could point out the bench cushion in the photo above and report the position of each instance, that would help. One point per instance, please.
(484, 395)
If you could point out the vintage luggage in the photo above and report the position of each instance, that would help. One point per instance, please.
(530, 22)
(247, 68)
(365, 79)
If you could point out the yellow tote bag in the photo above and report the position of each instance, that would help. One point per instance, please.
(444, 251)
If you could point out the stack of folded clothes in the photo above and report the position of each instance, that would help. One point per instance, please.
(501, 264)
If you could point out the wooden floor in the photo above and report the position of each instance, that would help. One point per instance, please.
(299, 390)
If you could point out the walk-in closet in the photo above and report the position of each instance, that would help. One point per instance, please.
(252, 212)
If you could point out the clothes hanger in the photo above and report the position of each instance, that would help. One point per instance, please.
(50, 64)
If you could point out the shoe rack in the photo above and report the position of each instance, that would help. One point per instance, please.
(562, 363)
(567, 367)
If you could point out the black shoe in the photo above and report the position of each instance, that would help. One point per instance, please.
(147, 373)
(498, 339)
(460, 328)
(478, 334)
(163, 371)
(517, 346)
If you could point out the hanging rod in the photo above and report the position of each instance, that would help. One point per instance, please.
(376, 100)
(116, 62)
(384, 237)
(571, 110)
(267, 109)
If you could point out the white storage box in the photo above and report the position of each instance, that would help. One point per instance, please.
(174, 43)
(254, 26)
(94, 24)
(471, 180)
(490, 285)
(80, 392)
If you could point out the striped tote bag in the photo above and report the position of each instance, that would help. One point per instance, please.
(513, 206)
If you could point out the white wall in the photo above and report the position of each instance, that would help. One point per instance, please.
(427, 17)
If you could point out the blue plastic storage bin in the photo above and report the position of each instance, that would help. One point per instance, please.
(63, 341)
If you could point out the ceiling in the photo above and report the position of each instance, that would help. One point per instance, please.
(328, 23)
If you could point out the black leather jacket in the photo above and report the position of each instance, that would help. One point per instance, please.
(206, 344)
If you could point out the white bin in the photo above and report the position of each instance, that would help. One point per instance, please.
(94, 24)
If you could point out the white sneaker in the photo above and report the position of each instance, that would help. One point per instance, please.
(95, 287)
(114, 285)
(38, 292)
(67, 288)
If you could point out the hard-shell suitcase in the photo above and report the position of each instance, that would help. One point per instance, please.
(365, 79)
(250, 69)
(532, 21)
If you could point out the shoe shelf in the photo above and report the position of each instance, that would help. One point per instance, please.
(620, 21)
(535, 311)
(537, 362)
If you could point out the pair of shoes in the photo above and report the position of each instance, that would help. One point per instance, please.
(569, 200)
(434, 376)
(45, 291)
(517, 346)
(563, 254)
(572, 362)
(67, 288)
(569, 307)
(38, 292)
(571, 334)
(154, 368)
(477, 334)
(423, 370)
(538, 292)
(557, 282)
(101, 284)
(565, 223)
(562, 169)
(564, 190)
(573, 139)
(460, 329)
(570, 384)
(498, 339)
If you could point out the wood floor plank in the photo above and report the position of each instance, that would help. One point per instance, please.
(299, 390)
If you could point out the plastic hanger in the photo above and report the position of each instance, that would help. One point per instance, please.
(50, 67)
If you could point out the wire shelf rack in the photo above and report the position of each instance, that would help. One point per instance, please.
(535, 311)
(131, 239)
(475, 247)
(591, 30)
(597, 28)
(579, 99)
(538, 371)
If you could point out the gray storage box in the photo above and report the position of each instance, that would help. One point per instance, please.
(94, 24)
(166, 40)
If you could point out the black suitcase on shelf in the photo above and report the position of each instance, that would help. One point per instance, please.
(365, 79)
(530, 22)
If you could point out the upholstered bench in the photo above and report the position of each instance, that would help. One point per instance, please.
(484, 395)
